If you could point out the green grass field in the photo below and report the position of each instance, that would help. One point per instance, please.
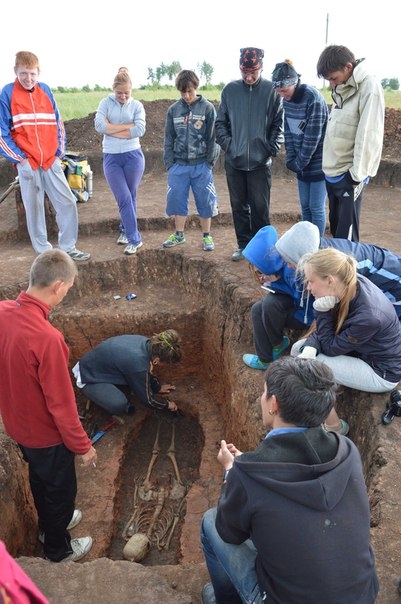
(73, 105)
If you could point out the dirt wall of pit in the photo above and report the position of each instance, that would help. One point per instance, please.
(211, 309)
(389, 173)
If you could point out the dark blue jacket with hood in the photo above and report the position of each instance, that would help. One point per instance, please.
(261, 252)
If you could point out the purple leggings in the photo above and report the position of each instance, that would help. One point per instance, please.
(123, 172)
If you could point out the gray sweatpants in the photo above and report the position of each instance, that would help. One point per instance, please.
(34, 184)
(351, 371)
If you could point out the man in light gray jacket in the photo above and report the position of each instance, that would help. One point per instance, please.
(354, 136)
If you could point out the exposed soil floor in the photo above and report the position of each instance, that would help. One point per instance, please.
(201, 426)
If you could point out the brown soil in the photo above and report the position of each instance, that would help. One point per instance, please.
(167, 283)
(81, 135)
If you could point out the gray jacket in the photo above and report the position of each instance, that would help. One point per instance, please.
(189, 136)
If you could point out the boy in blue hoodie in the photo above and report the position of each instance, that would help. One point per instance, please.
(285, 306)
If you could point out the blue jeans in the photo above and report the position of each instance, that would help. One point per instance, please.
(312, 197)
(231, 567)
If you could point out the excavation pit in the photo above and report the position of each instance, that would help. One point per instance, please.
(211, 313)
(224, 314)
(208, 303)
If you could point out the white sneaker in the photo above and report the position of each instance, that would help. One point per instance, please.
(75, 520)
(131, 248)
(122, 240)
(80, 547)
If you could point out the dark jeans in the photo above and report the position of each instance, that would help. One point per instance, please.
(270, 316)
(344, 209)
(111, 398)
(250, 200)
(53, 484)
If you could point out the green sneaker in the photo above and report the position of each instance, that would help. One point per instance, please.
(173, 240)
(278, 350)
(208, 243)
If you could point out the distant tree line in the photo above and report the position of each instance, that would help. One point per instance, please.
(390, 84)
(85, 88)
(156, 75)
(205, 70)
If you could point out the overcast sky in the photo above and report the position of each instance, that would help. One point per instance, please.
(81, 43)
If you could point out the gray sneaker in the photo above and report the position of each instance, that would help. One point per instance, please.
(78, 255)
(131, 248)
(237, 256)
(122, 240)
(80, 547)
(174, 240)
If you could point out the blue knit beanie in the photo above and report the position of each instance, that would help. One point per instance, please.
(261, 251)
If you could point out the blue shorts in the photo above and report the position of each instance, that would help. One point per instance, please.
(199, 178)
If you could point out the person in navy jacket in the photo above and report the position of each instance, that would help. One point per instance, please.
(358, 334)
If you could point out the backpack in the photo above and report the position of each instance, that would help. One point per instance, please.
(79, 175)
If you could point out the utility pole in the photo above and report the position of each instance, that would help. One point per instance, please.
(327, 28)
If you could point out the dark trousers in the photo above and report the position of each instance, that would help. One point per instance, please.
(53, 484)
(270, 316)
(344, 209)
(250, 200)
(111, 398)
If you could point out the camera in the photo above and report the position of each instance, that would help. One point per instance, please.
(393, 407)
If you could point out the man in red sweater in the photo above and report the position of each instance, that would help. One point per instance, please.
(37, 402)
